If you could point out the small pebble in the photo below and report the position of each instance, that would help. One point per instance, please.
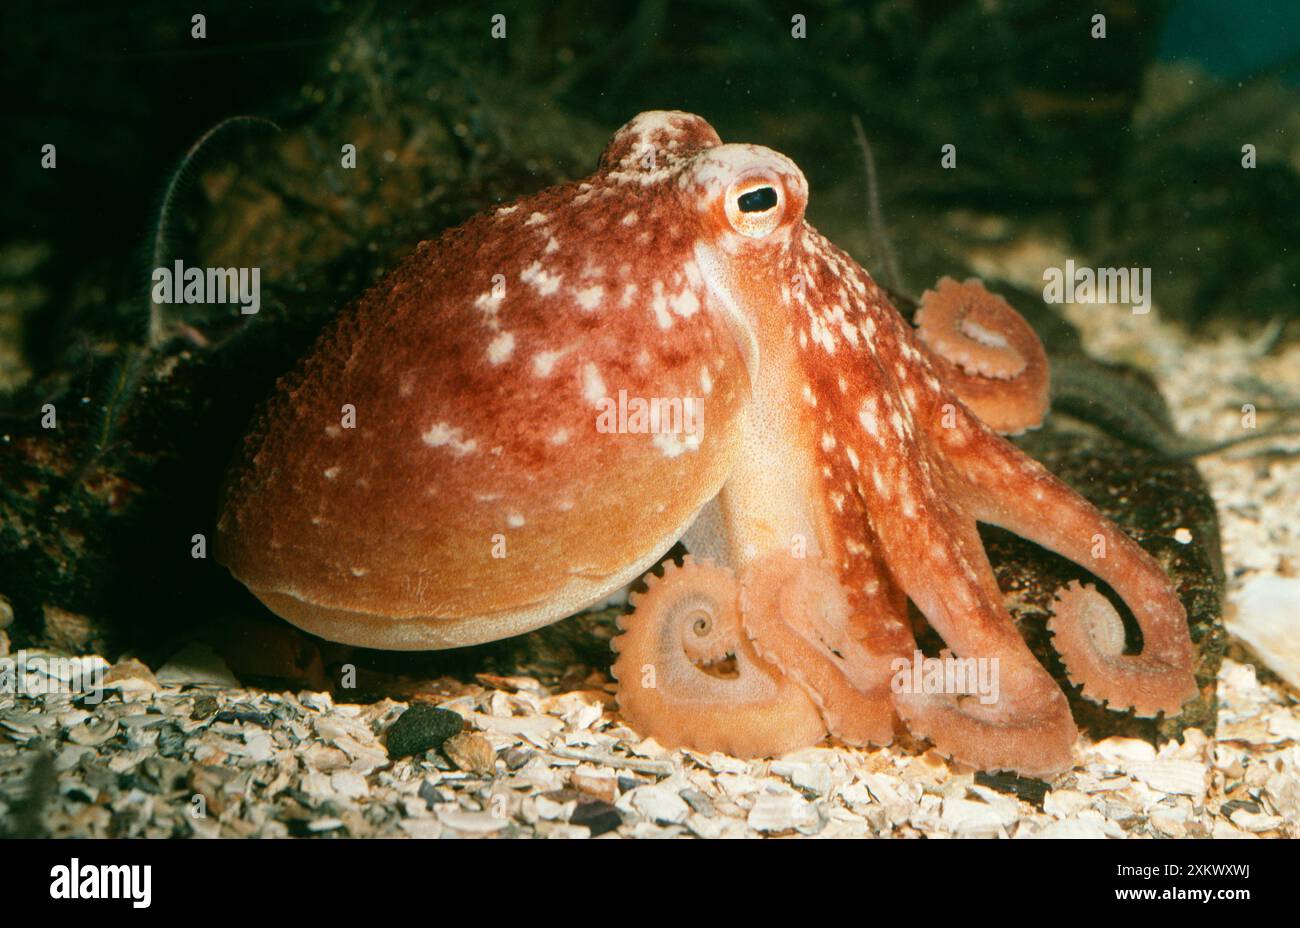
(422, 728)
(205, 706)
(471, 752)
(516, 758)
(597, 815)
(429, 793)
(698, 802)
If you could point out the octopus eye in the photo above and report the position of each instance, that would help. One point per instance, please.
(755, 204)
(756, 201)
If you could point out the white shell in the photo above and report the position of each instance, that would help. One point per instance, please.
(1268, 620)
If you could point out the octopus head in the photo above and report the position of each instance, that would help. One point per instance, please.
(743, 206)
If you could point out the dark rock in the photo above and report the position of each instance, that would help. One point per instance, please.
(422, 728)
(597, 815)
(244, 715)
(1031, 791)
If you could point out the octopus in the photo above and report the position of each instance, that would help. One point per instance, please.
(446, 467)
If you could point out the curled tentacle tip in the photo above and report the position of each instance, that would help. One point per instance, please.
(967, 324)
(688, 676)
(989, 355)
(1089, 635)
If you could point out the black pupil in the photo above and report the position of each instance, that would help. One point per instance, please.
(756, 201)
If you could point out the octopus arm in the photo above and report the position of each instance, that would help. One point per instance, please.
(797, 613)
(1027, 726)
(1008, 489)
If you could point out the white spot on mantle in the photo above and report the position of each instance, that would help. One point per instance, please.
(442, 435)
(590, 298)
(544, 362)
(501, 348)
(671, 445)
(541, 280)
(685, 304)
(593, 387)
